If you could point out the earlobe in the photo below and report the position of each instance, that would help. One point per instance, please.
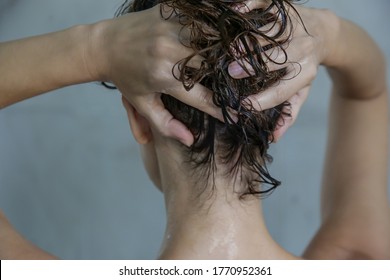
(138, 124)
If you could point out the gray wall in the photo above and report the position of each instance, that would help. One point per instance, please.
(71, 178)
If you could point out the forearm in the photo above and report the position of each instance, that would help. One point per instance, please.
(31, 66)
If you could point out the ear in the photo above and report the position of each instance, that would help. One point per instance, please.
(138, 124)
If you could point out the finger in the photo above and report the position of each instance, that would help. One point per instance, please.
(267, 5)
(164, 10)
(177, 47)
(200, 98)
(195, 61)
(250, 5)
(296, 103)
(294, 54)
(275, 59)
(266, 35)
(271, 31)
(163, 121)
(284, 89)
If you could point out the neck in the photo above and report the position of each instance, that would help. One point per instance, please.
(223, 230)
(223, 227)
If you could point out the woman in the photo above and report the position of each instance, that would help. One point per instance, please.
(220, 217)
(132, 44)
(220, 224)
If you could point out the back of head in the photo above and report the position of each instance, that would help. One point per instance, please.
(222, 35)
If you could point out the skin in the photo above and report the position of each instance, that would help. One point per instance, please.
(355, 209)
(140, 44)
(15, 246)
(224, 227)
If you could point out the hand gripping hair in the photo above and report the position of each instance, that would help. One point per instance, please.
(221, 34)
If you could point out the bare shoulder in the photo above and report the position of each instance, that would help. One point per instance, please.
(338, 243)
(13, 246)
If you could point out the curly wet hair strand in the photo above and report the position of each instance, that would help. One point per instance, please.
(221, 35)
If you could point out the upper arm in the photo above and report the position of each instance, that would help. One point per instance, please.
(355, 206)
(357, 155)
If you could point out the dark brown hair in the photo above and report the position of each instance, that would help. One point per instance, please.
(222, 35)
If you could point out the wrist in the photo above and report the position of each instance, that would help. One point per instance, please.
(330, 32)
(94, 51)
(356, 64)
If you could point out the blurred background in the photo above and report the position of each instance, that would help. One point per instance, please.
(71, 177)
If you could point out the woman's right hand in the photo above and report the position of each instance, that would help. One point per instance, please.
(137, 53)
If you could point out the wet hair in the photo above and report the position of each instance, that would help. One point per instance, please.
(221, 35)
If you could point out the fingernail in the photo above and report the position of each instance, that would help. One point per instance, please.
(243, 8)
(238, 7)
(235, 70)
(187, 142)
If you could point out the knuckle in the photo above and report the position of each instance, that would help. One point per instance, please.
(161, 40)
(205, 99)
(167, 130)
(197, 98)
(312, 71)
(162, 28)
(158, 46)
(327, 13)
(158, 75)
(164, 131)
(152, 77)
(280, 95)
(292, 121)
(307, 43)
